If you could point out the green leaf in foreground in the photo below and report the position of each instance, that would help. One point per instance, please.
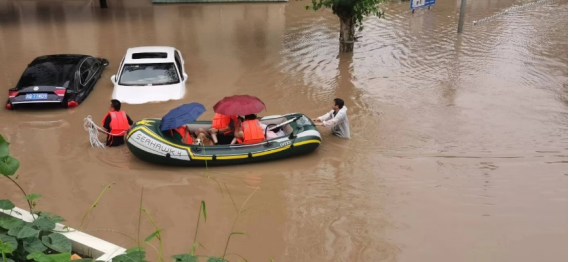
(63, 257)
(15, 231)
(4, 147)
(123, 258)
(133, 256)
(41, 257)
(38, 257)
(152, 236)
(44, 224)
(135, 249)
(33, 245)
(50, 216)
(6, 248)
(6, 204)
(9, 240)
(137, 255)
(10, 222)
(216, 259)
(57, 242)
(27, 232)
(32, 197)
(185, 258)
(9, 165)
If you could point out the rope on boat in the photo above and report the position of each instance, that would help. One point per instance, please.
(94, 130)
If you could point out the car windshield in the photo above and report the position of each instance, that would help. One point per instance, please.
(149, 74)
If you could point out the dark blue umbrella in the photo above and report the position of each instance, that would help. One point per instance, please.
(181, 115)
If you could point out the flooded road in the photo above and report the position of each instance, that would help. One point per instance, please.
(458, 149)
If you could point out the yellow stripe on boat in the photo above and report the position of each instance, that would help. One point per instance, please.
(311, 141)
(232, 157)
(271, 151)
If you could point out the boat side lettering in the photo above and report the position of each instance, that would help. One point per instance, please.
(285, 143)
(157, 145)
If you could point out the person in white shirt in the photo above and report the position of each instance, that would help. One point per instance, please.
(337, 119)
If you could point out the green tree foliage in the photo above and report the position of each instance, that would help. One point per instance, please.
(351, 14)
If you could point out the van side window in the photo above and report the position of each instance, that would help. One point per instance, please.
(179, 64)
(120, 68)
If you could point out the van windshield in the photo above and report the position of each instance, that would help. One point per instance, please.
(149, 74)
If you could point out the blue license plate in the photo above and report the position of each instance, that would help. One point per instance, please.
(36, 96)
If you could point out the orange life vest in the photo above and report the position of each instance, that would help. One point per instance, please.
(186, 139)
(119, 123)
(222, 121)
(252, 132)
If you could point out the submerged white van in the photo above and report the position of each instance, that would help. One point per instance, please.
(150, 74)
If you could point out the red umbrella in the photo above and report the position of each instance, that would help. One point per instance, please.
(239, 105)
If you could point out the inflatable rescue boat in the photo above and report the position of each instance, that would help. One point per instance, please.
(147, 142)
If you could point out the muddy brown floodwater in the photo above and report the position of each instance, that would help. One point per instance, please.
(458, 149)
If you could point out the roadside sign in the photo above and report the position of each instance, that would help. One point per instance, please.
(416, 4)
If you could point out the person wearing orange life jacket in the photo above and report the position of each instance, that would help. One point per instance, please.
(116, 122)
(182, 134)
(250, 132)
(222, 128)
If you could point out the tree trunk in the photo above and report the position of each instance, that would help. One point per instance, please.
(103, 3)
(347, 33)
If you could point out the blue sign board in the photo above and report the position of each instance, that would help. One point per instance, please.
(416, 4)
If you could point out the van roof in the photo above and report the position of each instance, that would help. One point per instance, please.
(149, 54)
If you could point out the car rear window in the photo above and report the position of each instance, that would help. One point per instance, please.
(149, 55)
(53, 73)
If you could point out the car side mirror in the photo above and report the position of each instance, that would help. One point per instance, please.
(185, 76)
(105, 62)
(114, 79)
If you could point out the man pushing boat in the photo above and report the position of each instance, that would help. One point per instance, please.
(337, 119)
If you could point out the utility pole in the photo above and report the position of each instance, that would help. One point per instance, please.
(461, 17)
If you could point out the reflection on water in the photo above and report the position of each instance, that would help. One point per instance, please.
(458, 149)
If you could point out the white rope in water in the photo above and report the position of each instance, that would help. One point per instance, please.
(511, 10)
(94, 130)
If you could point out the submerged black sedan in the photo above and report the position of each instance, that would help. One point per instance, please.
(57, 79)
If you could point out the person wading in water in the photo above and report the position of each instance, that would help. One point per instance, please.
(337, 119)
(116, 122)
